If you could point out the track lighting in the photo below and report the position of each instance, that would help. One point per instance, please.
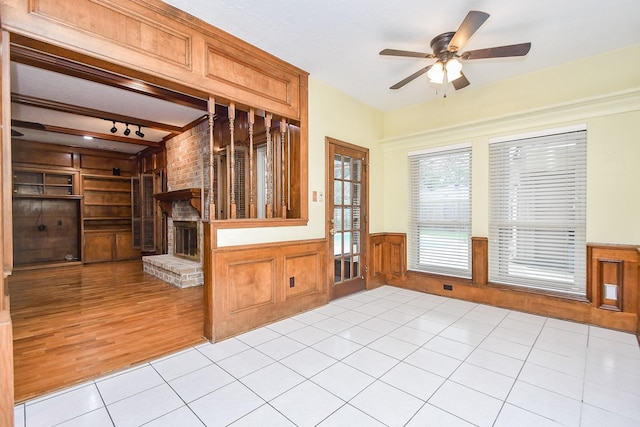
(127, 130)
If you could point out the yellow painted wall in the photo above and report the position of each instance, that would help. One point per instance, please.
(333, 114)
(574, 93)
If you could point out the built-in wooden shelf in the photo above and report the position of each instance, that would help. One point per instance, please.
(190, 194)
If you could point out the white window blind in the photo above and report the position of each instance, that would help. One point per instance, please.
(439, 238)
(537, 205)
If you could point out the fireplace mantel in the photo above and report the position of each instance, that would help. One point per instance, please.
(191, 194)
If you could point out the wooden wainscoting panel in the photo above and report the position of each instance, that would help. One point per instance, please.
(615, 265)
(376, 261)
(610, 284)
(6, 369)
(251, 284)
(387, 258)
(479, 260)
(120, 26)
(243, 274)
(301, 271)
(606, 264)
(397, 254)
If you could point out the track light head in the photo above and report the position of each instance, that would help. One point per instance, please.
(139, 132)
(114, 129)
(127, 131)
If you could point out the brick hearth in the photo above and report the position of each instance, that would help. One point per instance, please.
(177, 271)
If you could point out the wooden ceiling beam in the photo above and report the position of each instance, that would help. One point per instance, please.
(41, 59)
(89, 112)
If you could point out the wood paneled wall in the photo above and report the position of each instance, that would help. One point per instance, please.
(152, 37)
(387, 258)
(6, 369)
(612, 265)
(251, 286)
(58, 157)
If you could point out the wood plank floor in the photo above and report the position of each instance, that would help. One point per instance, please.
(72, 324)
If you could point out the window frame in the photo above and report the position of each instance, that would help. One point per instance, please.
(435, 260)
(537, 210)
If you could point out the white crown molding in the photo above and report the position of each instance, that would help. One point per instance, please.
(580, 110)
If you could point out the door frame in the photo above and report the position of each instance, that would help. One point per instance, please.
(364, 238)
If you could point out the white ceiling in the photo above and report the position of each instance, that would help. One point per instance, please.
(338, 41)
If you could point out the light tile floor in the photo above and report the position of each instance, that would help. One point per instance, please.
(383, 357)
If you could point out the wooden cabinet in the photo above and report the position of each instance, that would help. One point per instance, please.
(107, 202)
(107, 218)
(43, 183)
(103, 246)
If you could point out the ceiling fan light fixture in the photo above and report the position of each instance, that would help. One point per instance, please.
(454, 69)
(436, 73)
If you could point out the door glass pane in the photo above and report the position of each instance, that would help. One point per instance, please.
(347, 269)
(357, 170)
(347, 218)
(337, 218)
(356, 266)
(356, 218)
(337, 244)
(337, 192)
(355, 243)
(347, 243)
(337, 267)
(347, 167)
(337, 166)
(347, 193)
(356, 194)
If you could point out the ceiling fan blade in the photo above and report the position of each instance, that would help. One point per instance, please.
(15, 133)
(460, 82)
(395, 52)
(410, 78)
(469, 26)
(498, 52)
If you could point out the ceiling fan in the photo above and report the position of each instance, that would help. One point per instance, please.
(446, 48)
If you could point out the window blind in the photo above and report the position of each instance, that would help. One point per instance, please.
(537, 212)
(439, 238)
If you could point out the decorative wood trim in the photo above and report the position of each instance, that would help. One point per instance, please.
(479, 260)
(155, 42)
(131, 30)
(251, 284)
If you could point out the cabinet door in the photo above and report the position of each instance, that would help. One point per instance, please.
(99, 247)
(124, 246)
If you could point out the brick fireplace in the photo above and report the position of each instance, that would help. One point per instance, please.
(187, 181)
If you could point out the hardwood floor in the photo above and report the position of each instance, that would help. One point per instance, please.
(72, 324)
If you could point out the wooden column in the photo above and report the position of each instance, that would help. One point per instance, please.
(269, 204)
(252, 187)
(283, 204)
(212, 115)
(232, 162)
